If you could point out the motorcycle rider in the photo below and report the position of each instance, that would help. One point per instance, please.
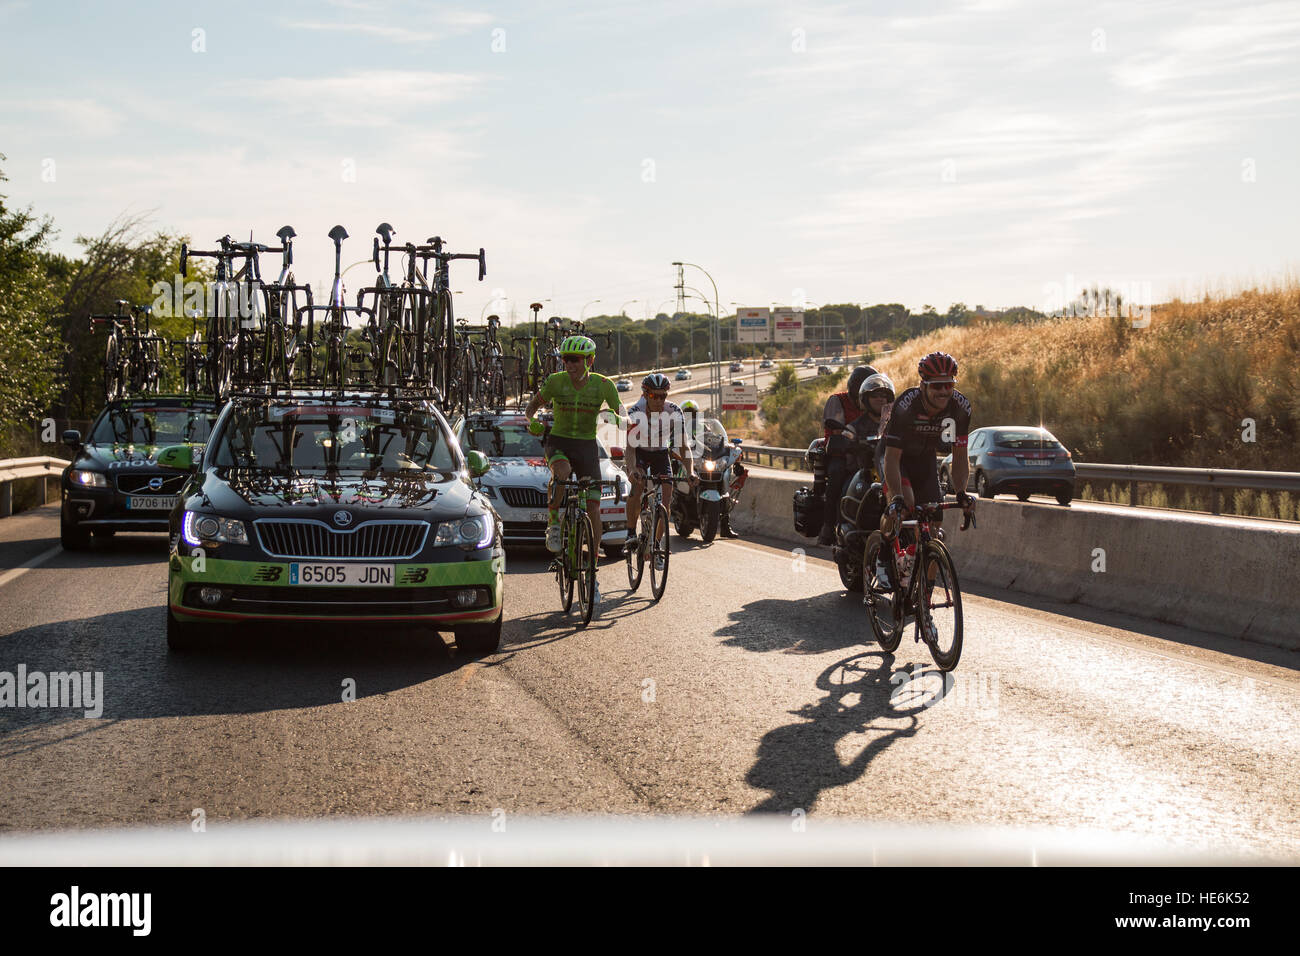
(696, 428)
(841, 413)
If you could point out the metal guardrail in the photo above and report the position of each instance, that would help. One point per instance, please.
(1216, 479)
(16, 469)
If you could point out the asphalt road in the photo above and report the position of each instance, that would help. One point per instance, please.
(752, 688)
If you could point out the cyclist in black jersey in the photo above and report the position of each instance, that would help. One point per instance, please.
(914, 425)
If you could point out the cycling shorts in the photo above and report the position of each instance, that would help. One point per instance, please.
(921, 474)
(654, 462)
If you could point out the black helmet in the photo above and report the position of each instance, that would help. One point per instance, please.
(857, 377)
(655, 381)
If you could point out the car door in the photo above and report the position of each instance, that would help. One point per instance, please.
(978, 441)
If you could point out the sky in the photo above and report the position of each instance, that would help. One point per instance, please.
(991, 152)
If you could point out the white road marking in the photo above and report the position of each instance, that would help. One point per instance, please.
(27, 566)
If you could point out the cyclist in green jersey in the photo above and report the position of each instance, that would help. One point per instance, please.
(577, 395)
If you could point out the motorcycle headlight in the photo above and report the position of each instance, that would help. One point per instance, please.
(468, 533)
(89, 479)
(710, 465)
(197, 528)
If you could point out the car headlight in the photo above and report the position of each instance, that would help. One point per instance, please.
(197, 528)
(89, 479)
(468, 533)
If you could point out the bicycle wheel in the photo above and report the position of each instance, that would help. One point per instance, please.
(659, 553)
(112, 370)
(584, 567)
(940, 606)
(887, 629)
(562, 576)
(635, 558)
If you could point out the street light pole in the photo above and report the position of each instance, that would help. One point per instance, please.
(715, 370)
(583, 311)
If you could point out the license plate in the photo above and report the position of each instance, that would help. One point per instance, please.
(1038, 461)
(539, 516)
(150, 502)
(341, 575)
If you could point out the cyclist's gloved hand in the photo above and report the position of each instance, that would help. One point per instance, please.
(535, 427)
(896, 506)
(965, 500)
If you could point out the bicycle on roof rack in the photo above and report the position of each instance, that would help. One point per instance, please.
(338, 362)
(133, 353)
(445, 344)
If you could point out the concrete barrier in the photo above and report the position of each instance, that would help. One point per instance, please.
(1197, 571)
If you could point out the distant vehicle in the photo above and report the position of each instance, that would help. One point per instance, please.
(624, 385)
(836, 360)
(766, 363)
(738, 381)
(808, 362)
(737, 367)
(683, 374)
(1019, 460)
(823, 370)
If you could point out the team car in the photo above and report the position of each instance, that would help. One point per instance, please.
(345, 508)
(115, 482)
(517, 477)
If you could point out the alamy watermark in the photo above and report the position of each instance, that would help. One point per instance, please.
(78, 690)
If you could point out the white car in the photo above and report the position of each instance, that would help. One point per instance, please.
(517, 477)
(683, 374)
(766, 363)
(737, 367)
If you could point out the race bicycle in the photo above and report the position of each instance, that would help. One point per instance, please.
(651, 539)
(927, 591)
(576, 562)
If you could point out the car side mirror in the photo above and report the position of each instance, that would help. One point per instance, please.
(180, 457)
(616, 453)
(72, 438)
(479, 465)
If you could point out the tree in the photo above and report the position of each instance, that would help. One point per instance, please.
(30, 349)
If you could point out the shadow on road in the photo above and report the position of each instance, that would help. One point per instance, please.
(866, 695)
(812, 625)
(255, 669)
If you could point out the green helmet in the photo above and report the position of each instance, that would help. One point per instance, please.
(689, 407)
(578, 345)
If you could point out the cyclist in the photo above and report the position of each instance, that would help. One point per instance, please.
(913, 427)
(655, 428)
(577, 395)
(842, 410)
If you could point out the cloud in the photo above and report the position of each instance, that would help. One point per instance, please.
(75, 117)
(373, 98)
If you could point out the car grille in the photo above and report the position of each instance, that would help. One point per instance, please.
(134, 484)
(307, 538)
(524, 497)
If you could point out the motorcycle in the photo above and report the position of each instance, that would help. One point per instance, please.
(709, 502)
(861, 506)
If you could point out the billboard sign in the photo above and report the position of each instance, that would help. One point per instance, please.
(742, 397)
(753, 325)
(787, 324)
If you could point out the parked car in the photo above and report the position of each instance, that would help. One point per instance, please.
(623, 385)
(517, 477)
(115, 482)
(1013, 459)
(683, 374)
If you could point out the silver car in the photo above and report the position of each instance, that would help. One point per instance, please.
(516, 481)
(1019, 460)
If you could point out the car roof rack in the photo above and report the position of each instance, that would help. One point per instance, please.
(353, 393)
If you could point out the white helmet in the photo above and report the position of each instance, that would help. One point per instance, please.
(875, 383)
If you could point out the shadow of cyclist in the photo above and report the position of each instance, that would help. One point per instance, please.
(800, 760)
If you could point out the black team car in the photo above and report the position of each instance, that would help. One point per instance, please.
(115, 482)
(338, 508)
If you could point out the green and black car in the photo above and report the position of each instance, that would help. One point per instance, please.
(333, 509)
(115, 482)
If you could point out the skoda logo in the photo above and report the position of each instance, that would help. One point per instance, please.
(342, 518)
(155, 484)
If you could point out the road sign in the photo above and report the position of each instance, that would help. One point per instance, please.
(753, 325)
(787, 324)
(742, 397)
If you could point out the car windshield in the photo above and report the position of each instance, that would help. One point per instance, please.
(1026, 439)
(153, 425)
(502, 440)
(341, 438)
